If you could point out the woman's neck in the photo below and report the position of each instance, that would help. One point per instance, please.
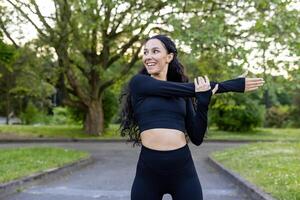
(161, 76)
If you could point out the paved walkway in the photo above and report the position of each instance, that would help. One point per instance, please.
(111, 176)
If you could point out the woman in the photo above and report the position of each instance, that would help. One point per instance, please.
(159, 113)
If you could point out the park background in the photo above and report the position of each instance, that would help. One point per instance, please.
(64, 64)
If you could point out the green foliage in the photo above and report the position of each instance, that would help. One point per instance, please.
(32, 115)
(25, 78)
(110, 106)
(237, 113)
(295, 114)
(97, 43)
(63, 116)
(6, 53)
(278, 116)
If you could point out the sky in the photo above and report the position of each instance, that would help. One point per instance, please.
(254, 58)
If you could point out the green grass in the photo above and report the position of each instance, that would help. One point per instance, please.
(258, 134)
(19, 162)
(274, 167)
(30, 131)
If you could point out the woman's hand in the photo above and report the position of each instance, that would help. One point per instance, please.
(252, 84)
(203, 84)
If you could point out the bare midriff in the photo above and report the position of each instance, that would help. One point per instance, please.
(163, 138)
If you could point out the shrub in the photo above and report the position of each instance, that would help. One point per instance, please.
(278, 116)
(110, 107)
(235, 112)
(63, 115)
(33, 115)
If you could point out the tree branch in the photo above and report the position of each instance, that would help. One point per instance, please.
(42, 18)
(7, 34)
(122, 73)
(28, 18)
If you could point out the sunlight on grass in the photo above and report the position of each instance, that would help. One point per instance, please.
(61, 131)
(76, 131)
(20, 162)
(275, 167)
(258, 134)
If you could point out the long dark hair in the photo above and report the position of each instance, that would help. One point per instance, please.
(128, 125)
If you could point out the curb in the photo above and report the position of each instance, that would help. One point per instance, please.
(48, 174)
(252, 190)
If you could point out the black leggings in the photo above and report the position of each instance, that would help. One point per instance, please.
(159, 172)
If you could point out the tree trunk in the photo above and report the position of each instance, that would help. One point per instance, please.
(94, 120)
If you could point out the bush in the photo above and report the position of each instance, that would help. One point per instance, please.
(295, 117)
(110, 107)
(33, 115)
(278, 116)
(63, 115)
(234, 112)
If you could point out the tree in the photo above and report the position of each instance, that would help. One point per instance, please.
(97, 42)
(90, 39)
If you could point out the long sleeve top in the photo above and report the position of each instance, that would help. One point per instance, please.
(164, 104)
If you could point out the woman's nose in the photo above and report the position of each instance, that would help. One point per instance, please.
(147, 57)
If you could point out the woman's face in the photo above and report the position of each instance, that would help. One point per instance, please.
(156, 57)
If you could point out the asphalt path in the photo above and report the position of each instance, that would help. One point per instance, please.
(111, 175)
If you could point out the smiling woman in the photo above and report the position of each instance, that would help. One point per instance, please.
(159, 113)
(156, 59)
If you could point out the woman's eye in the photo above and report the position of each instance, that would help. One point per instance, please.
(155, 51)
(145, 52)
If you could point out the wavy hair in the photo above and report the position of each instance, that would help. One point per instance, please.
(128, 125)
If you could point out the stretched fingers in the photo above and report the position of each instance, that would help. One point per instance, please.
(251, 89)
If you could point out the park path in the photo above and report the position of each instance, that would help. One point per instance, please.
(111, 175)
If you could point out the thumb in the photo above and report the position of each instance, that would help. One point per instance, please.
(215, 89)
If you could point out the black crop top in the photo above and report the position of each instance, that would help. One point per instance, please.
(163, 104)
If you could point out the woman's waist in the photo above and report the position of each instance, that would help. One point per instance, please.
(163, 138)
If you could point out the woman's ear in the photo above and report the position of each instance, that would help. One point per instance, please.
(170, 57)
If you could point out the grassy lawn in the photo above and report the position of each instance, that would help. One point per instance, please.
(259, 134)
(29, 131)
(274, 167)
(19, 162)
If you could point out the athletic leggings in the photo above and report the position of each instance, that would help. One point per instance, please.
(166, 171)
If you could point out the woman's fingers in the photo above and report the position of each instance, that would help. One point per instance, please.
(215, 88)
(253, 83)
(201, 84)
(201, 80)
(196, 81)
(251, 89)
(206, 79)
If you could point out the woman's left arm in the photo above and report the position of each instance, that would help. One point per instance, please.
(241, 84)
(232, 85)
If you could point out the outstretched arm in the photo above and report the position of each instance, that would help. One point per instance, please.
(232, 85)
(241, 84)
(144, 85)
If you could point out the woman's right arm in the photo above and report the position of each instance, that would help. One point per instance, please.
(145, 85)
(196, 121)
